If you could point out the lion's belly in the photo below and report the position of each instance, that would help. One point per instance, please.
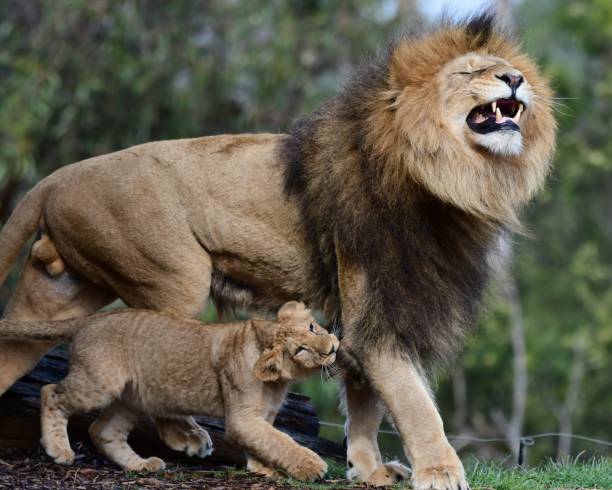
(252, 232)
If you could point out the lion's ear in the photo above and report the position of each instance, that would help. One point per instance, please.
(268, 366)
(291, 309)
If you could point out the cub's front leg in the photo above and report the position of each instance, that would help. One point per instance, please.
(256, 466)
(272, 448)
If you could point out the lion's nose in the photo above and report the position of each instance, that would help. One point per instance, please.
(512, 80)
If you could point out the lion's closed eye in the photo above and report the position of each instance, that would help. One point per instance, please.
(469, 73)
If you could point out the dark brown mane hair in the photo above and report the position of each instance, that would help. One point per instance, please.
(426, 259)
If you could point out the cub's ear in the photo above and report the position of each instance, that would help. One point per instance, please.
(291, 310)
(268, 366)
(265, 331)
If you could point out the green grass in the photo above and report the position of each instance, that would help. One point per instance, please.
(595, 474)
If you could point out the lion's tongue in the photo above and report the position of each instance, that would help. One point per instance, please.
(479, 118)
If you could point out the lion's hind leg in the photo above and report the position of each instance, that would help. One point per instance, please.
(39, 296)
(109, 433)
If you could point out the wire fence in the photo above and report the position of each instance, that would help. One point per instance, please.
(524, 441)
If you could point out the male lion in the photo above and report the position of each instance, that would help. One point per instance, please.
(383, 208)
(134, 361)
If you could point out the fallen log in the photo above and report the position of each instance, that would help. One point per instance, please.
(20, 423)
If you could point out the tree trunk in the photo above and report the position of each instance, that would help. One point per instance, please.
(519, 363)
(570, 403)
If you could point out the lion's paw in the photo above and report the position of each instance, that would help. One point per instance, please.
(150, 464)
(388, 474)
(448, 477)
(255, 466)
(153, 464)
(309, 467)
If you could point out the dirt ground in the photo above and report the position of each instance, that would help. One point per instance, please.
(31, 469)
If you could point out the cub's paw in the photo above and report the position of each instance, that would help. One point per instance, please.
(186, 436)
(199, 443)
(388, 474)
(309, 466)
(61, 455)
(150, 464)
(449, 477)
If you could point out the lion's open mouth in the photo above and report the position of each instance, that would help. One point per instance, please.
(501, 114)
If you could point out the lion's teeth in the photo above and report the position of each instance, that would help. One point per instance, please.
(498, 116)
(517, 116)
(494, 105)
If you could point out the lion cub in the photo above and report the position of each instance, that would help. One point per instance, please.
(132, 362)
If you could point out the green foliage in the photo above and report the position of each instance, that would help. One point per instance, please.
(83, 78)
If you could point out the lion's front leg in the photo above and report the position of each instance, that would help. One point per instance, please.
(396, 380)
(364, 412)
(435, 464)
(256, 466)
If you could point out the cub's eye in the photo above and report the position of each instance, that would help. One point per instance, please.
(312, 327)
(300, 350)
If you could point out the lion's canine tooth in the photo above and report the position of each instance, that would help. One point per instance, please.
(498, 116)
(517, 116)
(494, 106)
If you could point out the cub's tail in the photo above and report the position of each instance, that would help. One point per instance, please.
(58, 330)
(22, 224)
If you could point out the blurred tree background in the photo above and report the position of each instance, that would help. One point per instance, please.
(81, 78)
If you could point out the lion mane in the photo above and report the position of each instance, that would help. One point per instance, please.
(379, 177)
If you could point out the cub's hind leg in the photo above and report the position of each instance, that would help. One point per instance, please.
(181, 287)
(185, 434)
(54, 426)
(109, 433)
(83, 390)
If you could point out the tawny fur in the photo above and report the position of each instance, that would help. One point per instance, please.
(382, 209)
(134, 362)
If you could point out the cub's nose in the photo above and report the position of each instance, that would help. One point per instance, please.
(332, 351)
(511, 79)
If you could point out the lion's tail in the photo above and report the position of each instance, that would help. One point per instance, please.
(45, 330)
(22, 224)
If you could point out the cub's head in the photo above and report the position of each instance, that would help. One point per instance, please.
(296, 346)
